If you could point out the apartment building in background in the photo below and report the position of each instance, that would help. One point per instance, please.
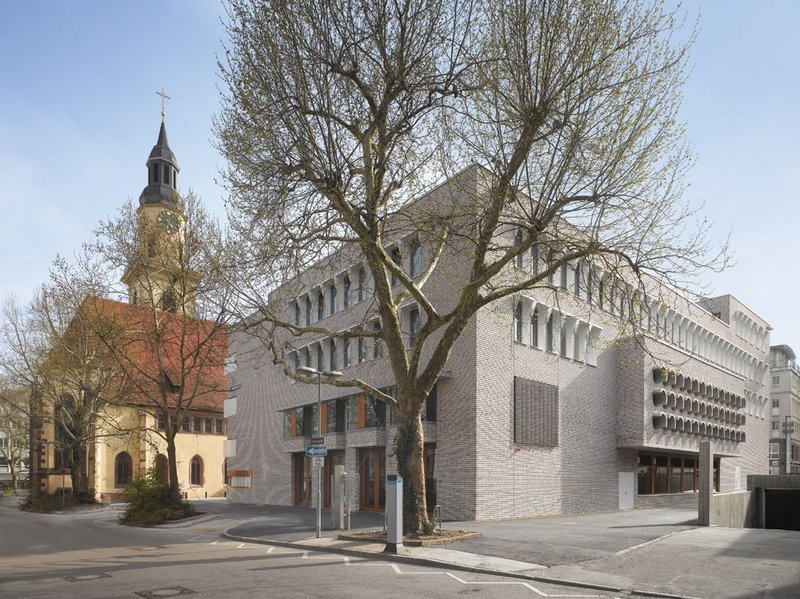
(785, 396)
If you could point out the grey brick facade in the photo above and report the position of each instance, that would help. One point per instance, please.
(606, 418)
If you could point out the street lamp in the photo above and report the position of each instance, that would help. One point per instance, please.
(331, 374)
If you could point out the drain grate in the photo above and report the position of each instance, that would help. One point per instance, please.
(84, 577)
(165, 592)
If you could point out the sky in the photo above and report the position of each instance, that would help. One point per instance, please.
(79, 114)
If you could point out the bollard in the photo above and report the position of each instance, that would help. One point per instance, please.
(394, 511)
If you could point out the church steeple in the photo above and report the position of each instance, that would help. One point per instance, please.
(162, 174)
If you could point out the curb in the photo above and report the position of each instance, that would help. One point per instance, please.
(187, 522)
(391, 557)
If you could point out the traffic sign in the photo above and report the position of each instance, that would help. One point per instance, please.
(318, 461)
(316, 451)
(317, 440)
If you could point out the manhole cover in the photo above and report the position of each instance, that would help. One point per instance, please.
(83, 577)
(168, 592)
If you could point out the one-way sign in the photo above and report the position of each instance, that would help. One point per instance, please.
(316, 451)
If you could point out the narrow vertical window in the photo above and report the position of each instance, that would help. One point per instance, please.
(347, 290)
(296, 313)
(535, 327)
(397, 258)
(308, 310)
(333, 361)
(518, 322)
(333, 299)
(377, 350)
(296, 359)
(320, 305)
(416, 259)
(362, 350)
(564, 269)
(550, 341)
(413, 326)
(320, 358)
(346, 356)
(196, 471)
(517, 246)
(362, 284)
(534, 260)
(577, 281)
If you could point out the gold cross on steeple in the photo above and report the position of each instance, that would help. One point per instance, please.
(164, 96)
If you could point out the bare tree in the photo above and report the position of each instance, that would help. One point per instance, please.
(338, 115)
(14, 430)
(172, 338)
(53, 348)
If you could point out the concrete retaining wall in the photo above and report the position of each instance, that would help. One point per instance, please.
(734, 510)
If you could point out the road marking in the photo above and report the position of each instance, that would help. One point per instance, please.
(271, 549)
(646, 543)
(305, 554)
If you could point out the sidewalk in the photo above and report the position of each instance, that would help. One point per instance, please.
(647, 552)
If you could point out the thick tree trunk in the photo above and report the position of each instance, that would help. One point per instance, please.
(77, 474)
(409, 453)
(172, 464)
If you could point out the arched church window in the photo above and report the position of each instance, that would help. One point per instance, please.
(196, 471)
(123, 469)
(168, 301)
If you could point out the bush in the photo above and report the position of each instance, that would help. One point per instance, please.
(55, 503)
(151, 501)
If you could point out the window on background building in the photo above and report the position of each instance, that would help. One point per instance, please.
(776, 403)
(397, 258)
(320, 358)
(550, 346)
(413, 326)
(776, 380)
(347, 290)
(185, 424)
(347, 357)
(196, 471)
(307, 354)
(320, 305)
(518, 259)
(209, 425)
(333, 299)
(416, 259)
(362, 284)
(296, 313)
(296, 360)
(219, 426)
(535, 327)
(160, 422)
(375, 413)
(123, 470)
(198, 424)
(362, 350)
(308, 310)
(564, 271)
(377, 347)
(518, 322)
(334, 361)
(775, 425)
(577, 281)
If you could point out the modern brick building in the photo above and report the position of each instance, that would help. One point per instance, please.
(587, 394)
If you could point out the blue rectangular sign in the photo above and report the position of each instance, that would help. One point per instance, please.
(316, 451)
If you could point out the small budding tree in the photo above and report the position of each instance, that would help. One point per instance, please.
(338, 115)
(53, 349)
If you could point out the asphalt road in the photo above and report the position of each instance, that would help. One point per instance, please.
(90, 556)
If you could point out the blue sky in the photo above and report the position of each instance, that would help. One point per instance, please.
(79, 115)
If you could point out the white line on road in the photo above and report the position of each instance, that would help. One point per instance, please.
(271, 549)
(640, 545)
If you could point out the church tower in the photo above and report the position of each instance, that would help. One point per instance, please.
(157, 274)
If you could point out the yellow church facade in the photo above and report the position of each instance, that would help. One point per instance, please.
(129, 437)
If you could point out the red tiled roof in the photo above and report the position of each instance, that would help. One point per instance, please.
(145, 343)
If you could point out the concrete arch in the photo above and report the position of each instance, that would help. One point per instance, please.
(659, 398)
(659, 420)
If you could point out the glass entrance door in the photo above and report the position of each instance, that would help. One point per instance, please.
(372, 478)
(334, 458)
(301, 475)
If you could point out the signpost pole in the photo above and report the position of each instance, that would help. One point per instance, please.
(319, 462)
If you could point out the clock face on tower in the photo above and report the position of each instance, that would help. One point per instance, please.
(168, 221)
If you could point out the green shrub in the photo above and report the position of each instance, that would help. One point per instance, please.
(151, 501)
(54, 503)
